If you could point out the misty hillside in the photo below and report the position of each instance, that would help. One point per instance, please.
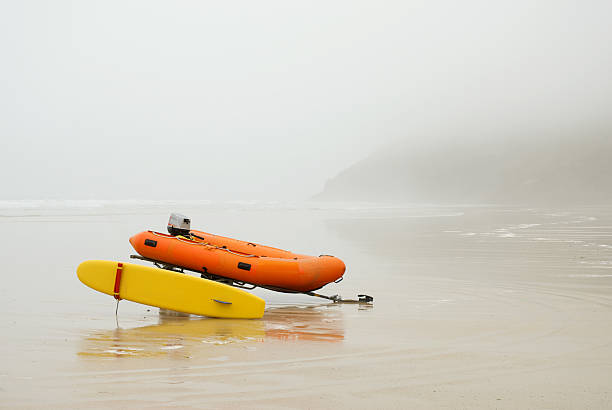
(575, 170)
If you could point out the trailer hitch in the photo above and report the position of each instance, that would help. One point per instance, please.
(364, 299)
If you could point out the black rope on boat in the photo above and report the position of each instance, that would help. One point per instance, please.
(196, 236)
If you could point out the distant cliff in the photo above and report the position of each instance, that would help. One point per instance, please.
(563, 170)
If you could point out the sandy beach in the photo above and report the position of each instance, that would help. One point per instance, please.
(317, 128)
(475, 307)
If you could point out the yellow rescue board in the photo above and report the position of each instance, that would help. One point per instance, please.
(171, 290)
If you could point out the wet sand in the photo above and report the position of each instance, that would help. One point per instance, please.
(475, 307)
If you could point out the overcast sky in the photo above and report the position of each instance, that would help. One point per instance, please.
(259, 99)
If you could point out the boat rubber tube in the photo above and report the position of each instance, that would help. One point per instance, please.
(242, 261)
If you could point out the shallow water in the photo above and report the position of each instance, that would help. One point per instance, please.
(474, 307)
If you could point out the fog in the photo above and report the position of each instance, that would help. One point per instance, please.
(269, 100)
(560, 171)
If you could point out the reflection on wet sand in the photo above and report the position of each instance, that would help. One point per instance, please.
(505, 308)
(183, 336)
(314, 323)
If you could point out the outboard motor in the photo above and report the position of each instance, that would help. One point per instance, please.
(179, 224)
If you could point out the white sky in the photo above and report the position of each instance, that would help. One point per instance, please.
(268, 99)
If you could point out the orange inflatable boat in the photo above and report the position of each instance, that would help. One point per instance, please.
(217, 257)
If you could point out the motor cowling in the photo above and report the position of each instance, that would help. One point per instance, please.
(179, 224)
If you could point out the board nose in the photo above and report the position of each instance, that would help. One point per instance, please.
(80, 269)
